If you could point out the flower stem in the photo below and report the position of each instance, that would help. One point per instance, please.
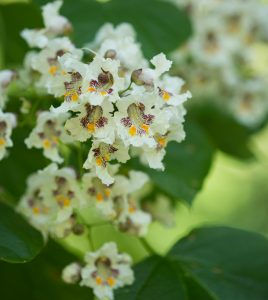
(128, 88)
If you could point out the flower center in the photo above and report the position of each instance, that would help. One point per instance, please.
(105, 274)
(73, 88)
(103, 154)
(137, 121)
(63, 194)
(103, 84)
(93, 118)
(165, 95)
(99, 190)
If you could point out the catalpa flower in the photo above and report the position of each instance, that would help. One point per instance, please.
(7, 123)
(48, 134)
(92, 121)
(100, 156)
(51, 199)
(169, 91)
(153, 156)
(46, 61)
(55, 25)
(120, 43)
(64, 191)
(102, 81)
(106, 270)
(34, 205)
(137, 122)
(146, 78)
(98, 194)
(69, 83)
(129, 216)
(249, 104)
(6, 76)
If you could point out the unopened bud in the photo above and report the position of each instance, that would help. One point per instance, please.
(78, 229)
(110, 54)
(136, 77)
(72, 273)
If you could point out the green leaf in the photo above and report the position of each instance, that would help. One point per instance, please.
(225, 132)
(16, 17)
(229, 263)
(156, 278)
(41, 279)
(186, 165)
(160, 26)
(19, 242)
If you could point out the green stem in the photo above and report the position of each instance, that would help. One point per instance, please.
(128, 88)
(147, 246)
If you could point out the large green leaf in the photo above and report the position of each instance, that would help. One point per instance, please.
(41, 279)
(186, 165)
(160, 26)
(16, 17)
(156, 278)
(225, 132)
(229, 263)
(19, 242)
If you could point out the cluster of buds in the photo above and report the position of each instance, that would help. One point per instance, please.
(116, 103)
(218, 58)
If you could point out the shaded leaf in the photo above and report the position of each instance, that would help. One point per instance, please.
(229, 263)
(41, 279)
(19, 242)
(155, 279)
(16, 17)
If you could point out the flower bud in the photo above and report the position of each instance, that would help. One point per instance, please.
(72, 273)
(136, 77)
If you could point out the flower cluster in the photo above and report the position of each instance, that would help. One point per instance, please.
(103, 271)
(106, 98)
(219, 56)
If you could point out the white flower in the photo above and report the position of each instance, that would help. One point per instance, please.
(7, 123)
(34, 204)
(69, 82)
(120, 43)
(48, 134)
(129, 217)
(169, 91)
(54, 23)
(51, 200)
(46, 61)
(100, 156)
(249, 104)
(92, 121)
(99, 194)
(147, 77)
(102, 81)
(71, 273)
(6, 76)
(137, 122)
(106, 270)
(153, 156)
(35, 37)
